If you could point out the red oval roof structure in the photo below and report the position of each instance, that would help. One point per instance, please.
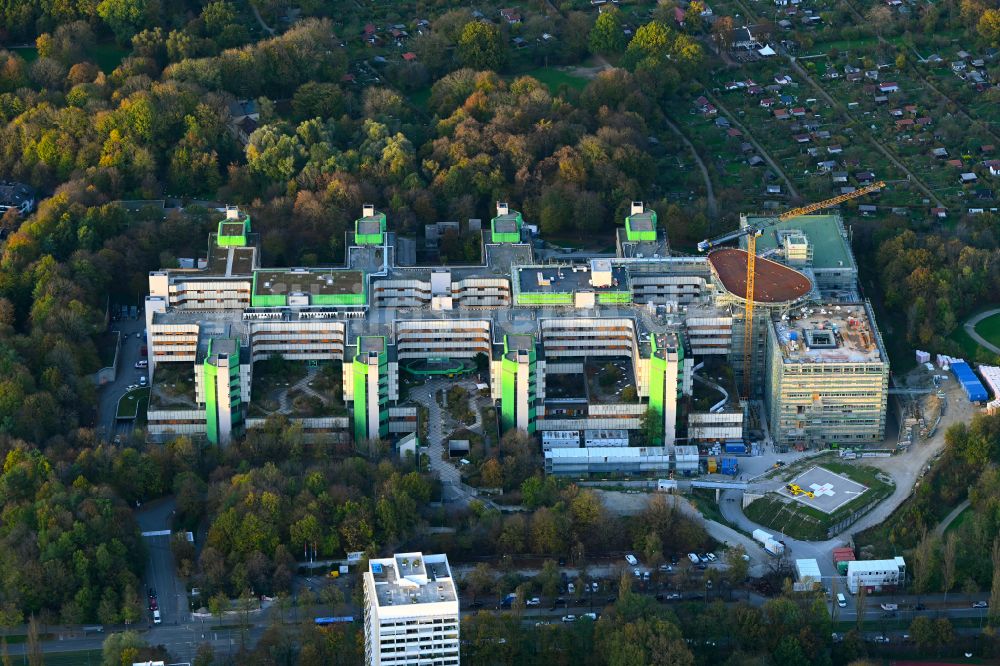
(774, 282)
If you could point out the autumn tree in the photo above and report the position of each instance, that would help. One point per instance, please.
(481, 46)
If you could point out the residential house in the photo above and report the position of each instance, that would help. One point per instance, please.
(956, 164)
(826, 165)
(896, 113)
(409, 56)
(923, 122)
(888, 87)
(939, 212)
(774, 189)
(767, 103)
(511, 15)
(755, 161)
(993, 166)
(746, 147)
(847, 189)
(679, 16)
(802, 138)
(742, 39)
(783, 80)
(940, 153)
(519, 42)
(968, 178)
(16, 196)
(867, 209)
(798, 111)
(839, 177)
(781, 114)
(733, 133)
(904, 123)
(835, 149)
(864, 177)
(722, 122)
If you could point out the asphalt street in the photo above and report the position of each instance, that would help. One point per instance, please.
(108, 395)
(160, 569)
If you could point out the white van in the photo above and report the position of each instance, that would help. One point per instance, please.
(694, 558)
(841, 601)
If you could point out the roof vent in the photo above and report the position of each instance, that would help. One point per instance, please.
(368, 210)
(502, 208)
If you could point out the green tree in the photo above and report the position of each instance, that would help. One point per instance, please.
(481, 46)
(651, 427)
(121, 646)
(607, 35)
(124, 17)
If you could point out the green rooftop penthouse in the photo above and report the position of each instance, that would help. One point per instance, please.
(233, 232)
(640, 225)
(303, 287)
(506, 226)
(370, 228)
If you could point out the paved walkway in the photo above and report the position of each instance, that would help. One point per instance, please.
(950, 518)
(452, 487)
(970, 328)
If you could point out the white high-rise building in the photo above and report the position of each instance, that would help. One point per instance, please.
(411, 611)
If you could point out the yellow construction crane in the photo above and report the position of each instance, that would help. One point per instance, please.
(752, 231)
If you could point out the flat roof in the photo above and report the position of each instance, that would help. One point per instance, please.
(231, 260)
(505, 224)
(232, 228)
(309, 281)
(829, 333)
(406, 579)
(774, 283)
(566, 279)
(370, 225)
(641, 221)
(371, 343)
(825, 233)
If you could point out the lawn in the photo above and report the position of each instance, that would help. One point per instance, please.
(989, 328)
(554, 78)
(960, 519)
(108, 56)
(130, 404)
(801, 522)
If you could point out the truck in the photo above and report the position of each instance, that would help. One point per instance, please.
(774, 547)
(762, 536)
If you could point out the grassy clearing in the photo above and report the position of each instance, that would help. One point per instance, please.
(108, 56)
(802, 522)
(554, 78)
(77, 658)
(989, 328)
(133, 402)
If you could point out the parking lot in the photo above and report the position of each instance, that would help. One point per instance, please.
(107, 424)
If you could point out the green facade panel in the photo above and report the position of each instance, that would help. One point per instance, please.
(529, 298)
(614, 298)
(635, 235)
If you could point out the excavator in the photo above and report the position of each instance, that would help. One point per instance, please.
(752, 232)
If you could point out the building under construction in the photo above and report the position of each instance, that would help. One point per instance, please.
(816, 359)
(827, 376)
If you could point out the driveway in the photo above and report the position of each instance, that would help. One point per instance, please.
(108, 395)
(905, 469)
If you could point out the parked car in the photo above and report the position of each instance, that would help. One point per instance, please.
(630, 558)
(156, 617)
(592, 616)
(569, 618)
(694, 558)
(711, 557)
(666, 568)
(141, 364)
(674, 596)
(637, 573)
(890, 607)
(533, 601)
(880, 639)
(570, 588)
(645, 575)
(980, 604)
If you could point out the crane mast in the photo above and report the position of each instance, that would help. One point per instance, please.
(752, 232)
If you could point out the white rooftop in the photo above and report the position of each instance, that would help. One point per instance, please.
(412, 578)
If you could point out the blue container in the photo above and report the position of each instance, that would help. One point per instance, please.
(974, 388)
(738, 448)
(730, 466)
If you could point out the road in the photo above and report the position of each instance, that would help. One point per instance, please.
(452, 488)
(160, 570)
(970, 328)
(905, 469)
(107, 425)
(778, 171)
